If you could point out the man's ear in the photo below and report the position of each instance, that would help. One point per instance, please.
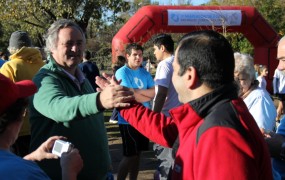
(162, 47)
(127, 56)
(191, 78)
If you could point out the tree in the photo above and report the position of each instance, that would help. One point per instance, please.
(273, 12)
(35, 16)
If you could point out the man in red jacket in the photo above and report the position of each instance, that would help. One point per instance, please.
(217, 136)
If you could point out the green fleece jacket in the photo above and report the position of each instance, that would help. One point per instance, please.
(61, 108)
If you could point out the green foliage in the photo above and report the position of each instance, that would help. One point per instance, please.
(273, 11)
(240, 43)
(35, 16)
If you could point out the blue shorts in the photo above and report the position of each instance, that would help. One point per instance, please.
(133, 141)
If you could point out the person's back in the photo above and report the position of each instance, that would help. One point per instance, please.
(23, 64)
(89, 69)
(25, 61)
(14, 167)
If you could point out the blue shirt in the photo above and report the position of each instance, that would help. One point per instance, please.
(14, 167)
(2, 62)
(279, 165)
(136, 79)
(90, 71)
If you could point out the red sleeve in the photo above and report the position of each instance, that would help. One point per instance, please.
(156, 126)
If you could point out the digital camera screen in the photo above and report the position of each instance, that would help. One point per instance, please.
(57, 147)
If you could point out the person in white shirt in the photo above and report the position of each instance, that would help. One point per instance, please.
(279, 89)
(165, 96)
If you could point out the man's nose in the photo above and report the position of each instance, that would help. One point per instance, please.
(75, 47)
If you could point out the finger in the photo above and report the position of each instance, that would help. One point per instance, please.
(105, 75)
(122, 105)
(122, 89)
(50, 142)
(51, 156)
(123, 99)
(114, 80)
(56, 137)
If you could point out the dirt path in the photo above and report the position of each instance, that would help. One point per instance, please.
(148, 161)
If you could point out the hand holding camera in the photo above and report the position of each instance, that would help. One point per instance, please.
(61, 146)
(44, 150)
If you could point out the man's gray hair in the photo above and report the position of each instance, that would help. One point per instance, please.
(51, 36)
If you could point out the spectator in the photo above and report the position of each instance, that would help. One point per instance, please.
(13, 97)
(25, 61)
(89, 69)
(165, 98)
(256, 68)
(257, 100)
(217, 134)
(67, 105)
(134, 76)
(262, 73)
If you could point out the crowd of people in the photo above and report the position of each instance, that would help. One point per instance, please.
(207, 109)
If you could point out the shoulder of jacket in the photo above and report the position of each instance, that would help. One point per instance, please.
(225, 115)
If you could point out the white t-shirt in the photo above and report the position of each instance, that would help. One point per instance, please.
(262, 108)
(163, 77)
(279, 82)
(262, 82)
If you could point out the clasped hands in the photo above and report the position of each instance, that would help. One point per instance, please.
(112, 94)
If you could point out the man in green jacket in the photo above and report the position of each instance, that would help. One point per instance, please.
(67, 105)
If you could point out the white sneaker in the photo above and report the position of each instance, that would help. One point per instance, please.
(113, 121)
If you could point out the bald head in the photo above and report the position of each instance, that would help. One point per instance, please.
(281, 54)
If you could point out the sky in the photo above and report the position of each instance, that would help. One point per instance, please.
(175, 2)
(198, 2)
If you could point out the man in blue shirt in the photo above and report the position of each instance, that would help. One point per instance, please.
(134, 76)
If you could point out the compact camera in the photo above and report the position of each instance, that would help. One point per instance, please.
(61, 146)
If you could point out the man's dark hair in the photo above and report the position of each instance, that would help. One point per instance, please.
(87, 54)
(210, 54)
(133, 46)
(165, 40)
(13, 113)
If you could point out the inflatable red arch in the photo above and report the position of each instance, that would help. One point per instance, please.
(151, 20)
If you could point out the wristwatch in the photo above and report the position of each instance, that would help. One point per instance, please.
(282, 153)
